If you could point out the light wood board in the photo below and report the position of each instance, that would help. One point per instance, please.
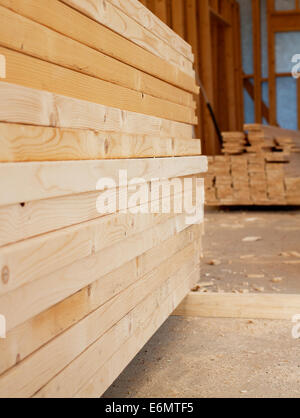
(252, 306)
(34, 333)
(25, 182)
(35, 73)
(43, 43)
(25, 105)
(20, 143)
(108, 15)
(34, 297)
(148, 20)
(31, 374)
(65, 20)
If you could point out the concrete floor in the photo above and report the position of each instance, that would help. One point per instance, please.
(198, 357)
(269, 265)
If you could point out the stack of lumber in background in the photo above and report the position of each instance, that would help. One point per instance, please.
(266, 171)
(233, 143)
(85, 91)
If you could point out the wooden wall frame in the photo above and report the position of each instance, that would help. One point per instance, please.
(277, 21)
(212, 27)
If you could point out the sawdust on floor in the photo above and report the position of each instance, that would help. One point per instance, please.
(254, 251)
(199, 358)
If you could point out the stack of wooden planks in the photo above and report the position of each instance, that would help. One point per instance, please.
(90, 89)
(274, 138)
(259, 142)
(266, 173)
(233, 143)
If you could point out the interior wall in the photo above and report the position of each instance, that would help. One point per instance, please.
(287, 44)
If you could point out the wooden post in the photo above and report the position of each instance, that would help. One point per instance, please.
(206, 71)
(298, 101)
(256, 16)
(271, 56)
(227, 12)
(191, 31)
(178, 21)
(160, 7)
(239, 71)
(215, 5)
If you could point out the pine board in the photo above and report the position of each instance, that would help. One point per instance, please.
(34, 333)
(148, 20)
(108, 15)
(65, 20)
(25, 182)
(25, 105)
(20, 143)
(31, 374)
(38, 74)
(36, 40)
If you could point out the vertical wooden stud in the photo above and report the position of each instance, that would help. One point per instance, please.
(206, 71)
(256, 16)
(271, 58)
(178, 18)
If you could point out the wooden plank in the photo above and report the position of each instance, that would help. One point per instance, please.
(187, 147)
(105, 376)
(285, 21)
(34, 333)
(19, 222)
(22, 221)
(25, 182)
(31, 143)
(149, 21)
(81, 114)
(50, 323)
(139, 319)
(106, 14)
(170, 246)
(63, 19)
(34, 372)
(35, 297)
(2, 66)
(23, 105)
(38, 41)
(228, 305)
(42, 75)
(31, 259)
(272, 131)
